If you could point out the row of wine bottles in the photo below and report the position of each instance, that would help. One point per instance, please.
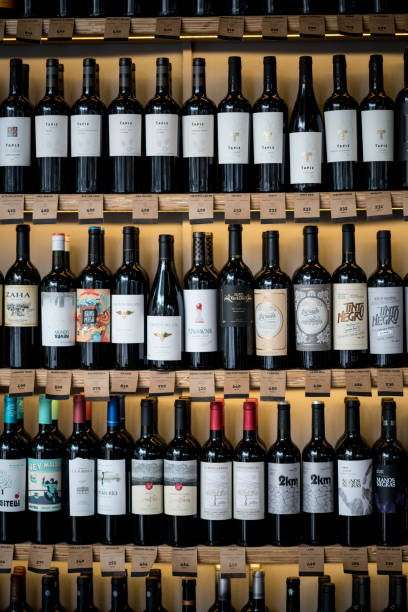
(201, 147)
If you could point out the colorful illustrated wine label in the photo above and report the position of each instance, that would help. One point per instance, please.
(44, 485)
(93, 315)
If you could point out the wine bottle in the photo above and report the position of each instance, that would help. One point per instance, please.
(181, 482)
(93, 310)
(132, 8)
(363, 594)
(272, 296)
(20, 421)
(312, 7)
(350, 316)
(168, 8)
(25, 89)
(383, 6)
(31, 8)
(18, 601)
(165, 312)
(85, 594)
(270, 121)
(239, 7)
(130, 289)
(236, 310)
(292, 594)
(198, 112)
(15, 135)
(44, 480)
(209, 253)
(125, 135)
(153, 594)
(351, 7)
(312, 297)
(89, 430)
(119, 597)
(321, 581)
(355, 482)
(354, 593)
(48, 599)
(88, 116)
(21, 297)
(122, 416)
(7, 9)
(398, 594)
(377, 121)
(275, 7)
(98, 8)
(188, 603)
(223, 596)
(54, 572)
(58, 302)
(401, 132)
(112, 469)
(329, 597)
(54, 422)
(162, 134)
(306, 134)
(385, 309)
(63, 8)
(204, 8)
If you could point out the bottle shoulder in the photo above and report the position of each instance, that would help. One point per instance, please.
(340, 101)
(249, 451)
(349, 273)
(284, 451)
(271, 278)
(311, 274)
(51, 105)
(88, 105)
(270, 103)
(162, 104)
(318, 450)
(181, 449)
(354, 448)
(16, 106)
(58, 281)
(22, 273)
(125, 104)
(199, 277)
(198, 105)
(376, 101)
(234, 103)
(385, 277)
(236, 272)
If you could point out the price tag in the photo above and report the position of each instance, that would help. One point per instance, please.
(145, 208)
(2, 29)
(273, 385)
(318, 383)
(90, 208)
(184, 561)
(80, 559)
(124, 381)
(274, 26)
(58, 384)
(389, 560)
(236, 384)
(350, 25)
(117, 28)
(40, 557)
(11, 208)
(162, 383)
(390, 382)
(45, 207)
(378, 204)
(231, 27)
(311, 560)
(21, 383)
(61, 29)
(233, 562)
(168, 27)
(358, 382)
(272, 207)
(29, 30)
(306, 207)
(381, 25)
(112, 561)
(312, 26)
(96, 385)
(404, 197)
(6, 558)
(355, 561)
(143, 559)
(343, 206)
(202, 386)
(237, 207)
(201, 208)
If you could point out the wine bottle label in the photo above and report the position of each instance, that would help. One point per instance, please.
(198, 136)
(271, 307)
(318, 487)
(341, 135)
(402, 135)
(385, 310)
(128, 319)
(305, 157)
(237, 306)
(21, 305)
(200, 306)
(125, 135)
(81, 474)
(86, 136)
(283, 488)
(216, 491)
(355, 482)
(162, 135)
(378, 135)
(249, 491)
(51, 136)
(268, 138)
(164, 338)
(15, 141)
(147, 486)
(350, 317)
(111, 486)
(93, 315)
(389, 488)
(58, 318)
(313, 317)
(233, 138)
(180, 487)
(13, 485)
(44, 485)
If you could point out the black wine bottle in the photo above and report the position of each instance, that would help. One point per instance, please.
(122, 417)
(119, 594)
(48, 594)
(98, 8)
(54, 572)
(223, 595)
(209, 253)
(205, 8)
(292, 594)
(363, 594)
(18, 601)
(31, 8)
(153, 593)
(321, 581)
(312, 7)
(401, 132)
(63, 8)
(329, 597)
(398, 594)
(26, 81)
(168, 8)
(133, 8)
(351, 7)
(54, 422)
(354, 593)
(383, 6)
(275, 7)
(89, 430)
(85, 594)
(20, 420)
(239, 7)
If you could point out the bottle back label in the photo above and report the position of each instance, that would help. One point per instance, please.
(147, 486)
(350, 317)
(93, 315)
(355, 487)
(21, 305)
(341, 135)
(125, 135)
(81, 474)
(268, 138)
(313, 317)
(216, 491)
(13, 474)
(58, 318)
(162, 137)
(305, 157)
(200, 306)
(233, 138)
(164, 338)
(271, 308)
(198, 136)
(237, 306)
(86, 136)
(389, 488)
(44, 485)
(378, 135)
(51, 136)
(249, 491)
(284, 488)
(402, 135)
(15, 141)
(128, 319)
(111, 486)
(385, 310)
(318, 487)
(180, 487)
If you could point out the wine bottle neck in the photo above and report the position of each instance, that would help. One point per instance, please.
(209, 255)
(199, 249)
(270, 82)
(283, 424)
(352, 420)
(125, 80)
(16, 79)
(111, 429)
(10, 428)
(58, 260)
(23, 245)
(17, 595)
(235, 245)
(384, 252)
(311, 248)
(89, 81)
(376, 76)
(119, 599)
(216, 435)
(234, 79)
(130, 248)
(80, 428)
(48, 599)
(162, 80)
(339, 77)
(166, 252)
(406, 70)
(389, 423)
(94, 249)
(306, 75)
(51, 85)
(271, 252)
(318, 429)
(199, 80)
(349, 247)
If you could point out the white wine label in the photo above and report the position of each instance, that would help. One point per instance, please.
(125, 135)
(200, 306)
(51, 136)
(128, 319)
(58, 318)
(283, 488)
(147, 486)
(81, 485)
(13, 474)
(271, 308)
(111, 486)
(350, 317)
(216, 491)
(162, 135)
(341, 135)
(233, 138)
(15, 141)
(164, 338)
(355, 487)
(180, 487)
(249, 491)
(44, 485)
(86, 136)
(378, 135)
(198, 136)
(268, 138)
(318, 487)
(313, 317)
(305, 150)
(385, 311)
(21, 305)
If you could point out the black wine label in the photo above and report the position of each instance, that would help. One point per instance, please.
(389, 488)
(237, 306)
